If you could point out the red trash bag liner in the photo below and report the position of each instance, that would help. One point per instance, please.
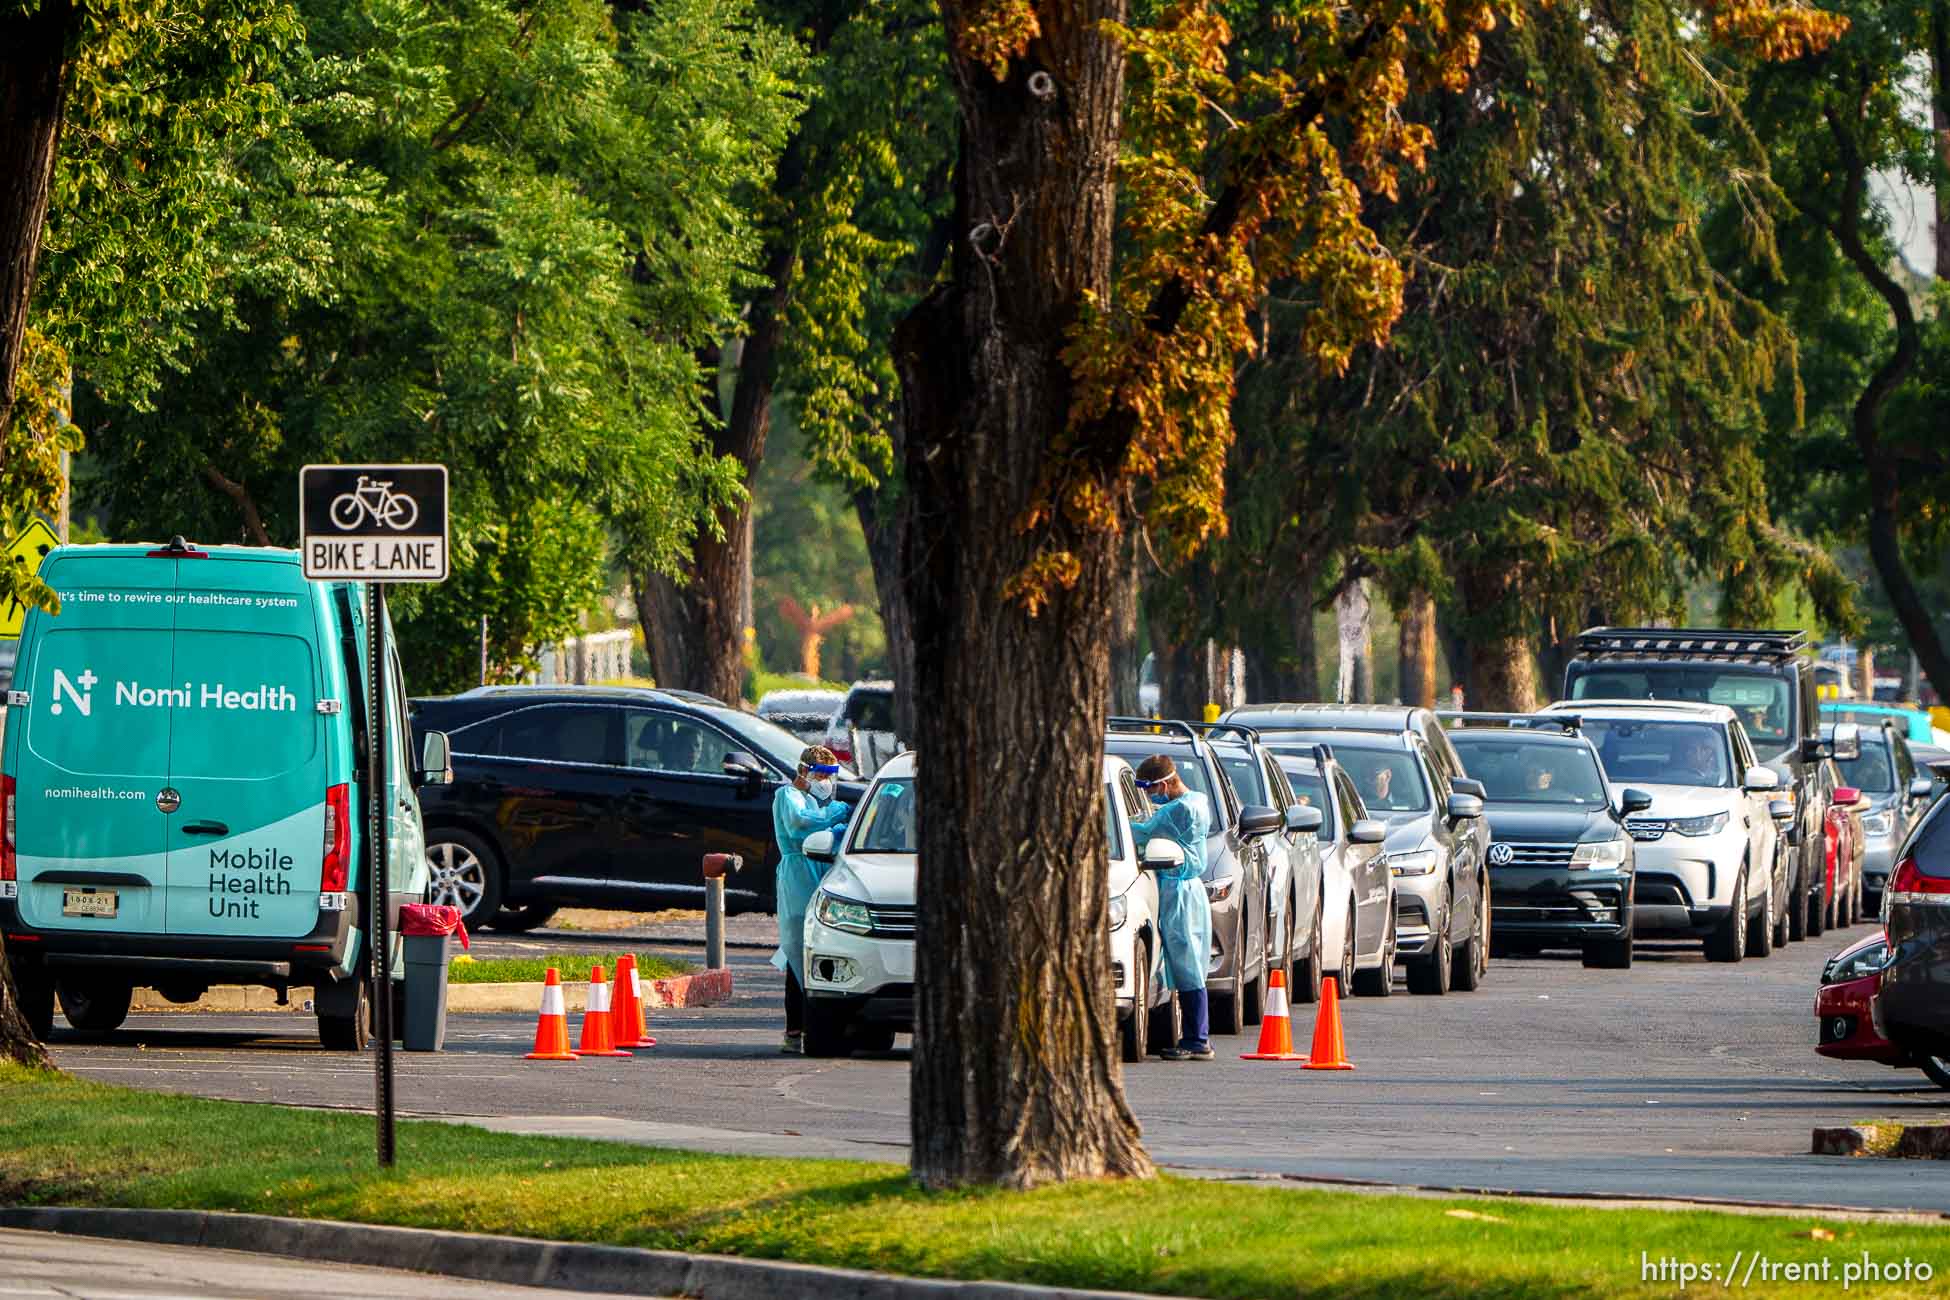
(431, 920)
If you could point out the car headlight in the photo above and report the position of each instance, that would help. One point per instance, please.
(843, 914)
(1217, 891)
(1120, 912)
(1878, 823)
(1709, 825)
(1600, 853)
(1419, 863)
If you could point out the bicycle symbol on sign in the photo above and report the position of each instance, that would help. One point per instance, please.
(374, 500)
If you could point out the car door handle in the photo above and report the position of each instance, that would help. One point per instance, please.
(206, 828)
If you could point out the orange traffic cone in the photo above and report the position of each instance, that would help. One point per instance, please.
(628, 1024)
(1275, 1030)
(595, 1019)
(552, 1030)
(1330, 1053)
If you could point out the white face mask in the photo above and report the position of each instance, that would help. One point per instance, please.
(821, 787)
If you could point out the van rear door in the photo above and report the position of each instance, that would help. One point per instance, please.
(90, 757)
(247, 753)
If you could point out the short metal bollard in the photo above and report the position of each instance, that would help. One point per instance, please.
(716, 866)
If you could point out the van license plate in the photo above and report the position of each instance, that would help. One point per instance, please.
(88, 902)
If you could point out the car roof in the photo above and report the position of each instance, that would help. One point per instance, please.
(559, 693)
(901, 765)
(888, 687)
(1336, 738)
(1113, 766)
(1527, 735)
(1339, 717)
(1630, 708)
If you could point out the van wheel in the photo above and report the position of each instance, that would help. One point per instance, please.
(827, 1027)
(95, 1006)
(344, 1016)
(466, 875)
(36, 998)
(1135, 1031)
(524, 917)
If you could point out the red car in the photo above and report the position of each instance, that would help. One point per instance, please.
(1844, 1027)
(1843, 857)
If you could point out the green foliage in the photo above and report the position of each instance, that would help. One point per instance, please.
(30, 460)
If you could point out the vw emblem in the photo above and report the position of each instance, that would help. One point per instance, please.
(1501, 855)
(168, 800)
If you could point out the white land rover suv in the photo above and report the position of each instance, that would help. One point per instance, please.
(860, 927)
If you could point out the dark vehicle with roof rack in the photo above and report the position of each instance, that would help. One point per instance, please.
(1561, 860)
(600, 796)
(1767, 677)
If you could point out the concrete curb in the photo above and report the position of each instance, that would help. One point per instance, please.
(707, 988)
(517, 1261)
(1892, 1140)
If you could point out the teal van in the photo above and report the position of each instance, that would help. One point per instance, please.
(183, 785)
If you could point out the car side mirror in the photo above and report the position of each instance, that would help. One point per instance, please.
(821, 846)
(1258, 819)
(1464, 806)
(436, 760)
(1469, 785)
(1162, 853)
(1781, 810)
(1759, 780)
(1920, 788)
(1303, 818)
(1367, 831)
(1847, 745)
(741, 764)
(1631, 801)
(1846, 796)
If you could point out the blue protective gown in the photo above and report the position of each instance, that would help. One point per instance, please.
(796, 815)
(1184, 911)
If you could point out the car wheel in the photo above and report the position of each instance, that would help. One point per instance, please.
(1938, 1068)
(1781, 923)
(1347, 970)
(1472, 959)
(1167, 1026)
(466, 875)
(1728, 942)
(1429, 975)
(1380, 981)
(95, 1006)
(523, 917)
(1609, 954)
(1760, 938)
(827, 1029)
(1796, 910)
(1135, 1029)
(1305, 983)
(345, 1029)
(1818, 909)
(872, 1038)
(1228, 1010)
(1254, 1010)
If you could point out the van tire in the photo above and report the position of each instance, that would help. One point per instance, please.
(94, 1006)
(342, 1028)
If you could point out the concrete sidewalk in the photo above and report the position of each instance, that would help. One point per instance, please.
(706, 988)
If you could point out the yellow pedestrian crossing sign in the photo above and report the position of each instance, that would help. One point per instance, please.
(30, 548)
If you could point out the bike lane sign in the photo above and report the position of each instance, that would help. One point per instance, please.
(374, 523)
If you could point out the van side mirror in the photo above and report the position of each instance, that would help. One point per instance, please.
(820, 846)
(1303, 818)
(1367, 831)
(1162, 853)
(1759, 780)
(1632, 801)
(436, 760)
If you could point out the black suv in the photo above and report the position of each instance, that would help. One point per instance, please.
(599, 797)
(1562, 864)
(1912, 1010)
(1768, 679)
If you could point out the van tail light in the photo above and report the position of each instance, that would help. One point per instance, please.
(1906, 884)
(338, 839)
(9, 869)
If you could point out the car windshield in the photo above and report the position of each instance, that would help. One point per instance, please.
(1873, 771)
(1763, 702)
(1515, 771)
(769, 739)
(1248, 781)
(887, 825)
(1311, 791)
(1390, 780)
(1662, 753)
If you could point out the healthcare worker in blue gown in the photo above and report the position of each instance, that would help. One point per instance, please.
(799, 810)
(1184, 912)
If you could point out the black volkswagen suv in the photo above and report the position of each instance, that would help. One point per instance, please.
(599, 796)
(1561, 861)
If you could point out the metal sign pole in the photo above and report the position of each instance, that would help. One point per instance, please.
(380, 885)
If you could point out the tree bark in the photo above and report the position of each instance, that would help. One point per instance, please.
(881, 522)
(1125, 662)
(1417, 618)
(254, 530)
(1016, 1080)
(1502, 666)
(35, 50)
(1354, 614)
(1940, 119)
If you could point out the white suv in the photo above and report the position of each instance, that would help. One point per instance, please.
(860, 927)
(1708, 850)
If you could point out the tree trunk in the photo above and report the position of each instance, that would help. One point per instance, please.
(1354, 615)
(1016, 1080)
(1503, 675)
(1125, 662)
(1417, 619)
(1940, 119)
(34, 57)
(881, 521)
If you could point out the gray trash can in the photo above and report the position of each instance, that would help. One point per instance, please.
(427, 956)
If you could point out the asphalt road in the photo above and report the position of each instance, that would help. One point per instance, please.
(1675, 1079)
(94, 1268)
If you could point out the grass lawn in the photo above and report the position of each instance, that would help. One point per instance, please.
(571, 966)
(66, 1141)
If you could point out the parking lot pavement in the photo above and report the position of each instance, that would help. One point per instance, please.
(1677, 1078)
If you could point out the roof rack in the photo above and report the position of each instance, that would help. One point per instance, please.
(1567, 722)
(1153, 726)
(1773, 646)
(1210, 729)
(1316, 707)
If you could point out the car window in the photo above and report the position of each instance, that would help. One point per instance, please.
(1352, 807)
(561, 734)
(1225, 811)
(1662, 753)
(1133, 801)
(1874, 771)
(1905, 765)
(1116, 827)
(1276, 782)
(1248, 781)
(1389, 780)
(1310, 791)
(1764, 703)
(888, 825)
(871, 710)
(1515, 771)
(671, 742)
